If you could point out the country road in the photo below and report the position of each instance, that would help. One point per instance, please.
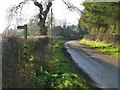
(101, 68)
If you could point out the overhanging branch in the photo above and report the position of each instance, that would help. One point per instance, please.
(72, 7)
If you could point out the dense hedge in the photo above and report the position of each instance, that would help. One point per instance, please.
(10, 61)
(108, 38)
(16, 70)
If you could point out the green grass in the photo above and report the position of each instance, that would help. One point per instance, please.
(61, 74)
(64, 71)
(103, 47)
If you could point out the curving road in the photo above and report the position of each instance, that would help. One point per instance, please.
(101, 68)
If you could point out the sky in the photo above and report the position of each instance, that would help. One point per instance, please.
(60, 11)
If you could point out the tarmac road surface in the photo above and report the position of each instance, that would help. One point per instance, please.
(101, 68)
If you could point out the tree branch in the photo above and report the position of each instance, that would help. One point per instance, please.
(72, 7)
(47, 9)
(39, 5)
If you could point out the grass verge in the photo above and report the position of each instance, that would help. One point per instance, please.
(62, 73)
(64, 69)
(103, 47)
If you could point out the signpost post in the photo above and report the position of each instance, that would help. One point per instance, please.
(25, 50)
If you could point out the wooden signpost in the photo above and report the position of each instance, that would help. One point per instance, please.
(25, 31)
(25, 48)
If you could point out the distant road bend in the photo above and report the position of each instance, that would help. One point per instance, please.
(101, 68)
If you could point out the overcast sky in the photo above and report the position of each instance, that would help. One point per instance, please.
(60, 11)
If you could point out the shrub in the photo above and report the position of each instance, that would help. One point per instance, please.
(10, 61)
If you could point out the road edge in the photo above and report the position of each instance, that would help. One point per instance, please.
(91, 84)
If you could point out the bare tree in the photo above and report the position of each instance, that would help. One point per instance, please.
(15, 10)
(42, 16)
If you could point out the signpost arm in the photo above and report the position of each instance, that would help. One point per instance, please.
(25, 31)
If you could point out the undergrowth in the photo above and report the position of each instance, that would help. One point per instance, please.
(37, 69)
(103, 47)
(62, 74)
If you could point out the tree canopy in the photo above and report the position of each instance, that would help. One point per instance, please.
(100, 17)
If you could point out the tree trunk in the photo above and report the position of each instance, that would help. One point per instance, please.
(42, 16)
